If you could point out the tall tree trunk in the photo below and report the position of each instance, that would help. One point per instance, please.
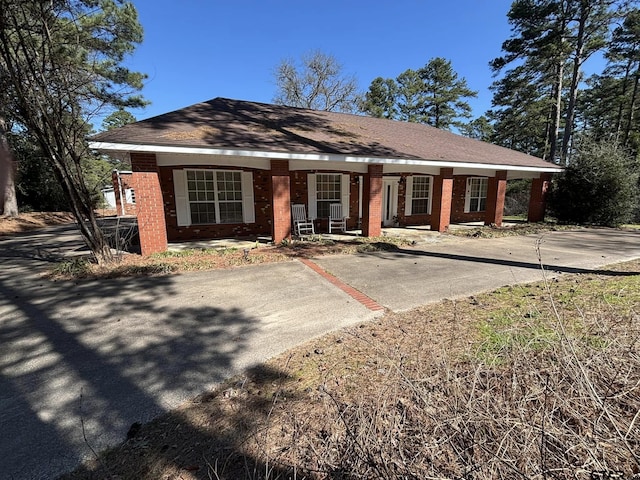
(557, 112)
(547, 129)
(575, 79)
(621, 102)
(79, 199)
(9, 201)
(632, 106)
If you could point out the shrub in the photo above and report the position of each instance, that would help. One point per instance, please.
(516, 201)
(598, 187)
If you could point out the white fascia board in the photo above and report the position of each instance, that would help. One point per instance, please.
(317, 157)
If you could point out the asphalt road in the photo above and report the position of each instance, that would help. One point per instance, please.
(109, 353)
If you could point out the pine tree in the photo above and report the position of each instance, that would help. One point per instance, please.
(479, 128)
(444, 95)
(610, 104)
(433, 95)
(62, 61)
(521, 112)
(552, 39)
(410, 96)
(624, 58)
(380, 100)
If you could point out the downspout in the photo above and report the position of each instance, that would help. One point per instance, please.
(360, 181)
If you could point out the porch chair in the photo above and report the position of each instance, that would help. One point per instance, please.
(301, 224)
(337, 221)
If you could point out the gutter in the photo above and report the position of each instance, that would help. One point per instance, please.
(125, 147)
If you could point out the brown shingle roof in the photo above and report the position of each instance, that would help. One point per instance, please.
(234, 124)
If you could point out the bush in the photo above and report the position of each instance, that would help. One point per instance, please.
(516, 200)
(598, 187)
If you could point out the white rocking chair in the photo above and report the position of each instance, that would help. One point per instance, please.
(301, 224)
(337, 221)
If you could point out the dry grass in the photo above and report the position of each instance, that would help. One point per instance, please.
(128, 265)
(538, 381)
(32, 221)
(490, 231)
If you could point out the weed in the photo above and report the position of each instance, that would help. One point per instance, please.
(159, 268)
(76, 268)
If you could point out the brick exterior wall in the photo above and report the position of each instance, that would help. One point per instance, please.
(456, 187)
(372, 210)
(409, 220)
(538, 200)
(150, 207)
(263, 211)
(299, 194)
(458, 199)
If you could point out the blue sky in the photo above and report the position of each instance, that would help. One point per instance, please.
(195, 50)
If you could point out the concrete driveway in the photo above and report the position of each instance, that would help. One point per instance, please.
(109, 353)
(459, 266)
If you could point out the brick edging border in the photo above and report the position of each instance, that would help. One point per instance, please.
(349, 290)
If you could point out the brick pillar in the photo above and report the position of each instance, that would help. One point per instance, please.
(150, 206)
(538, 199)
(281, 200)
(442, 197)
(372, 202)
(496, 190)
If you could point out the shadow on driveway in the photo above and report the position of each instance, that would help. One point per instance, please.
(512, 263)
(91, 358)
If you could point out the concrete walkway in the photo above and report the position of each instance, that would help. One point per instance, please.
(109, 353)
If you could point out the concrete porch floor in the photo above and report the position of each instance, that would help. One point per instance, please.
(418, 233)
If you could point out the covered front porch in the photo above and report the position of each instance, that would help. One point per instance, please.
(414, 196)
(418, 195)
(417, 234)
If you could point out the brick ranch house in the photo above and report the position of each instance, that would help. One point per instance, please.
(227, 168)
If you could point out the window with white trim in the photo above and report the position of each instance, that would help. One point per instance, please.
(328, 191)
(214, 196)
(130, 196)
(476, 200)
(420, 194)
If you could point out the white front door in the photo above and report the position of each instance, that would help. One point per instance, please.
(389, 200)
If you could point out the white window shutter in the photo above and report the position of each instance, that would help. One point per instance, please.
(345, 187)
(467, 197)
(430, 195)
(183, 216)
(248, 204)
(311, 192)
(360, 192)
(408, 199)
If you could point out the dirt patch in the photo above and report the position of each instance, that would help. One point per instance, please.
(32, 221)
